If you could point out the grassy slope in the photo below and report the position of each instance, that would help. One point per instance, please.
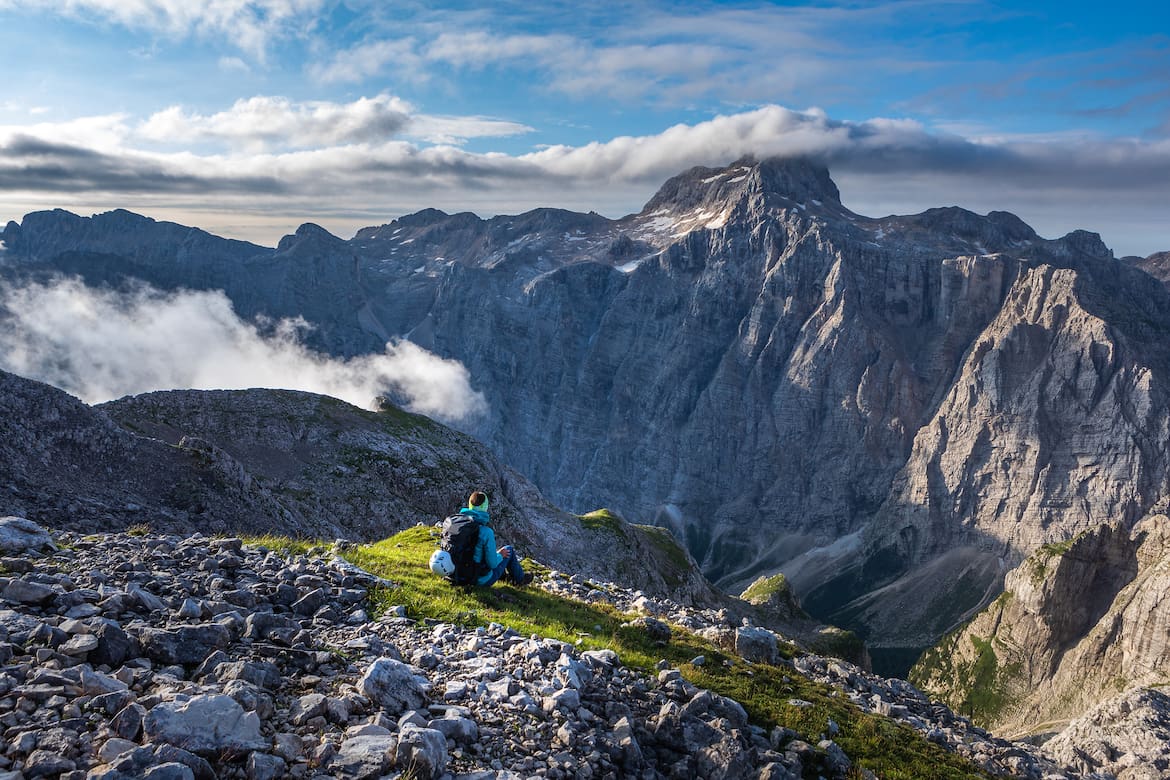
(889, 749)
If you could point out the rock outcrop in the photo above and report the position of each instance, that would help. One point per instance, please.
(1077, 623)
(878, 407)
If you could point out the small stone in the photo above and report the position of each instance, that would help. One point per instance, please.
(423, 750)
(362, 757)
(392, 685)
(288, 746)
(114, 747)
(79, 645)
(306, 708)
(169, 771)
(262, 766)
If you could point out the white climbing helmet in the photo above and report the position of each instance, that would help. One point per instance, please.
(442, 564)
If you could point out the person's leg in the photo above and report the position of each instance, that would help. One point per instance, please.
(515, 570)
(496, 574)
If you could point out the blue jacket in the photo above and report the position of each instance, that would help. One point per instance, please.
(485, 550)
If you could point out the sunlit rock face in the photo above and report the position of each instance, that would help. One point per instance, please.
(892, 411)
(1078, 623)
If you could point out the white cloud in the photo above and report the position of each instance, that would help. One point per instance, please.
(249, 24)
(370, 59)
(260, 122)
(234, 65)
(100, 344)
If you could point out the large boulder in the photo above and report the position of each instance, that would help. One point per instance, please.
(208, 724)
(185, 645)
(362, 757)
(21, 591)
(393, 686)
(114, 645)
(757, 645)
(18, 535)
(423, 751)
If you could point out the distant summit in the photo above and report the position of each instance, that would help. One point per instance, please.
(799, 180)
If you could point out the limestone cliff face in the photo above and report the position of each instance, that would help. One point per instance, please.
(893, 412)
(1077, 623)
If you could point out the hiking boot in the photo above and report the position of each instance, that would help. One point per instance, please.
(525, 580)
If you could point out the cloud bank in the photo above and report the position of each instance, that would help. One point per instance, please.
(102, 344)
(350, 165)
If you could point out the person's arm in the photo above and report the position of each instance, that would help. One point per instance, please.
(487, 543)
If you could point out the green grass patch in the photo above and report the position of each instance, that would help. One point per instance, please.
(891, 750)
(764, 588)
(664, 540)
(603, 520)
(284, 545)
(1040, 559)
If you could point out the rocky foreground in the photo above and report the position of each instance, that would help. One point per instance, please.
(126, 656)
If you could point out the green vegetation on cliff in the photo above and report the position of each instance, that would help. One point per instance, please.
(891, 750)
(765, 588)
(974, 682)
(603, 520)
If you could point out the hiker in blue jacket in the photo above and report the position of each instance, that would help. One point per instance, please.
(498, 562)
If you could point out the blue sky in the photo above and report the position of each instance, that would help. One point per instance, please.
(247, 117)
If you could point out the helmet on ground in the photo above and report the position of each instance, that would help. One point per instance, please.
(442, 564)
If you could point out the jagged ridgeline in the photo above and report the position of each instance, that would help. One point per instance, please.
(891, 411)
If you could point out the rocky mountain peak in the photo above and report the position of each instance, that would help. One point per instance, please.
(1156, 265)
(798, 179)
(309, 234)
(1088, 243)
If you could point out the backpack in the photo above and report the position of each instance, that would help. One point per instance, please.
(459, 538)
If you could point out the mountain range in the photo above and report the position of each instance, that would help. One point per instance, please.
(893, 412)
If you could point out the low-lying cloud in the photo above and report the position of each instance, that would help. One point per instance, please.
(101, 344)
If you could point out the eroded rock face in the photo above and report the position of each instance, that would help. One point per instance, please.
(1156, 265)
(1077, 623)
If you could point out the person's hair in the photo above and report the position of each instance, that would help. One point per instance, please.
(478, 498)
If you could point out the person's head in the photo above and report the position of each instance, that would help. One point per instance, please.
(478, 500)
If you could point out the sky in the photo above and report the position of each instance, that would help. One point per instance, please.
(248, 117)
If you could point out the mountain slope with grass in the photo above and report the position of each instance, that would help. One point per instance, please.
(796, 699)
(373, 473)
